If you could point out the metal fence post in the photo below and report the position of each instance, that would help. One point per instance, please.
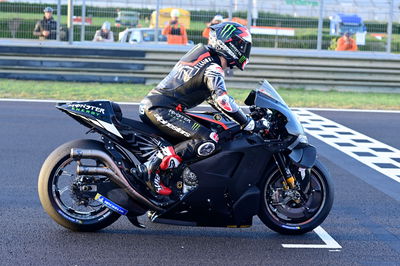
(58, 37)
(249, 13)
(389, 27)
(320, 24)
(83, 17)
(157, 17)
(230, 12)
(70, 22)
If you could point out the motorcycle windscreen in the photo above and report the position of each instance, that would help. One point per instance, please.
(266, 96)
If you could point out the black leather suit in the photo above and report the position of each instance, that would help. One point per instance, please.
(197, 77)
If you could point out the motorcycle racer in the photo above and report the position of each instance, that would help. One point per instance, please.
(198, 76)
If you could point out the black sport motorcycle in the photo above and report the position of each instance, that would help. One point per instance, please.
(86, 185)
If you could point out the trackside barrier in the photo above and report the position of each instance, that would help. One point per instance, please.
(308, 69)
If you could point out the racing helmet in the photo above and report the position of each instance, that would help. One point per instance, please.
(232, 41)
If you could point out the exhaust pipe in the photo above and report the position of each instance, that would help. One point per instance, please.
(112, 171)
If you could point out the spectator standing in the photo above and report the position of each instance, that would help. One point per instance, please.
(118, 18)
(346, 43)
(216, 20)
(46, 29)
(104, 34)
(174, 30)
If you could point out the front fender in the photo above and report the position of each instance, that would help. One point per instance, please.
(305, 156)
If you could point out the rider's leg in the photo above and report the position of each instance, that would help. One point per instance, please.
(197, 140)
(165, 159)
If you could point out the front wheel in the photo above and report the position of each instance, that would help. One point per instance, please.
(296, 211)
(61, 190)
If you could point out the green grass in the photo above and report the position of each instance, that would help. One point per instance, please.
(133, 93)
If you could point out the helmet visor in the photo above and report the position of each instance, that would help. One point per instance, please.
(244, 48)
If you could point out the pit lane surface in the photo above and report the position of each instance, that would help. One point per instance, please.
(363, 221)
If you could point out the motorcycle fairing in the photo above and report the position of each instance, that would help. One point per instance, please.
(214, 120)
(227, 193)
(267, 97)
(93, 113)
(304, 156)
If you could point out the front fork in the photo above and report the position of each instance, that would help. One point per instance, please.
(289, 181)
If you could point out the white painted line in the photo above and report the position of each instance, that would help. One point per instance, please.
(330, 243)
(352, 110)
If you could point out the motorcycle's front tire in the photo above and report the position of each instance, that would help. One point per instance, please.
(275, 223)
(46, 176)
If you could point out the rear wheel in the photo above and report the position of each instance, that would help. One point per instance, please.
(290, 211)
(64, 195)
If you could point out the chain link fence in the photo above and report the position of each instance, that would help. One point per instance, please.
(274, 24)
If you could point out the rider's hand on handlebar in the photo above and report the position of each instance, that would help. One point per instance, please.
(249, 126)
(261, 124)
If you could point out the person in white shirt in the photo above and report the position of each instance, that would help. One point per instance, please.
(104, 34)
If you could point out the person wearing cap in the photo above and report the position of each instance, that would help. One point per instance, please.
(346, 43)
(174, 30)
(104, 34)
(216, 20)
(46, 29)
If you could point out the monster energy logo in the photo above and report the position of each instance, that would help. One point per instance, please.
(242, 59)
(196, 126)
(89, 109)
(227, 31)
(85, 111)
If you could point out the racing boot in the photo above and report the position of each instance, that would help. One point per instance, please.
(165, 159)
(153, 179)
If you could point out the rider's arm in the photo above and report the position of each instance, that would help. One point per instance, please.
(214, 78)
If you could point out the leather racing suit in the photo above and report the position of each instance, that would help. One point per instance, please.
(197, 77)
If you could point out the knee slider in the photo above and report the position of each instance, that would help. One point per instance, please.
(206, 148)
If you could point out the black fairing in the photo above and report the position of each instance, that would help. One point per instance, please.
(304, 156)
(102, 110)
(227, 193)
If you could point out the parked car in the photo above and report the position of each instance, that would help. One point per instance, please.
(127, 18)
(140, 35)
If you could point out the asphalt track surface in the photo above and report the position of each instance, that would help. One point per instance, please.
(364, 221)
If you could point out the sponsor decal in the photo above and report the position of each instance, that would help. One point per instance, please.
(109, 204)
(218, 117)
(171, 126)
(233, 47)
(290, 227)
(227, 31)
(68, 217)
(178, 116)
(225, 103)
(226, 49)
(196, 126)
(88, 109)
(242, 59)
(214, 136)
